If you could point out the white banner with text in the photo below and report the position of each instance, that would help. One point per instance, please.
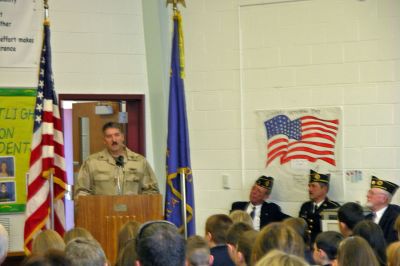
(20, 33)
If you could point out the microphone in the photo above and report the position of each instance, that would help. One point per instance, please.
(119, 161)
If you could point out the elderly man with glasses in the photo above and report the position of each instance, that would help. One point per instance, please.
(383, 213)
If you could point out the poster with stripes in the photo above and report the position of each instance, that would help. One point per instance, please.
(293, 141)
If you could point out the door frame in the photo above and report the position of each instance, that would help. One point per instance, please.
(134, 104)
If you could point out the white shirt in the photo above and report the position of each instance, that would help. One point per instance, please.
(317, 205)
(378, 215)
(256, 220)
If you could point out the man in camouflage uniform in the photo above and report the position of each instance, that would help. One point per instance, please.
(116, 170)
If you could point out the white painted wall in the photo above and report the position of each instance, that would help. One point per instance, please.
(98, 47)
(239, 58)
(244, 55)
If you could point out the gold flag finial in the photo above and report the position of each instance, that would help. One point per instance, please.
(176, 2)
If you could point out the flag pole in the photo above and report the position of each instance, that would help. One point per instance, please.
(51, 177)
(183, 202)
(46, 9)
(51, 201)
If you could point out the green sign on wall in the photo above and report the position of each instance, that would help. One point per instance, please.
(16, 127)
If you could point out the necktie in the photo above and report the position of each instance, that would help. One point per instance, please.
(253, 213)
(374, 217)
(315, 208)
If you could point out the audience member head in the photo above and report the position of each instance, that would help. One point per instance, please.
(261, 190)
(46, 240)
(198, 252)
(77, 232)
(3, 243)
(300, 226)
(373, 234)
(244, 248)
(241, 216)
(35, 260)
(325, 247)
(52, 257)
(318, 186)
(127, 232)
(393, 254)
(280, 258)
(349, 214)
(158, 243)
(380, 193)
(355, 250)
(217, 226)
(233, 234)
(277, 236)
(57, 258)
(397, 226)
(235, 231)
(127, 256)
(85, 252)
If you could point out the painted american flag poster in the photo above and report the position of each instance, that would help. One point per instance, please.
(294, 141)
(307, 137)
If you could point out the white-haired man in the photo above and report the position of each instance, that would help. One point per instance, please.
(382, 212)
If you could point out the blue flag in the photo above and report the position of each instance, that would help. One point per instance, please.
(178, 153)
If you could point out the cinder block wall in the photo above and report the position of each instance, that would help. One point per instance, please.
(242, 56)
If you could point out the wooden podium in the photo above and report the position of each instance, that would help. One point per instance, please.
(103, 216)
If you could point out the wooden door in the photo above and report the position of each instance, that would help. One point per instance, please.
(95, 123)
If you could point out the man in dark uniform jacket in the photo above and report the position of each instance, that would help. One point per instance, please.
(260, 211)
(318, 187)
(382, 212)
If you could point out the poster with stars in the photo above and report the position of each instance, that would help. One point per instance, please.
(16, 124)
(293, 141)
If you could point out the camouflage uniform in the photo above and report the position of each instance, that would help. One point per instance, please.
(98, 175)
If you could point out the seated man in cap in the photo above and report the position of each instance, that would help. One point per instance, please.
(318, 187)
(383, 213)
(260, 211)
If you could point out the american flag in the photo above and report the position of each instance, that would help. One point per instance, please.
(307, 137)
(47, 155)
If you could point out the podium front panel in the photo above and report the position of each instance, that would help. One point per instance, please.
(103, 216)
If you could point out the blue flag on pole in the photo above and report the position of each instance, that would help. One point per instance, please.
(178, 153)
